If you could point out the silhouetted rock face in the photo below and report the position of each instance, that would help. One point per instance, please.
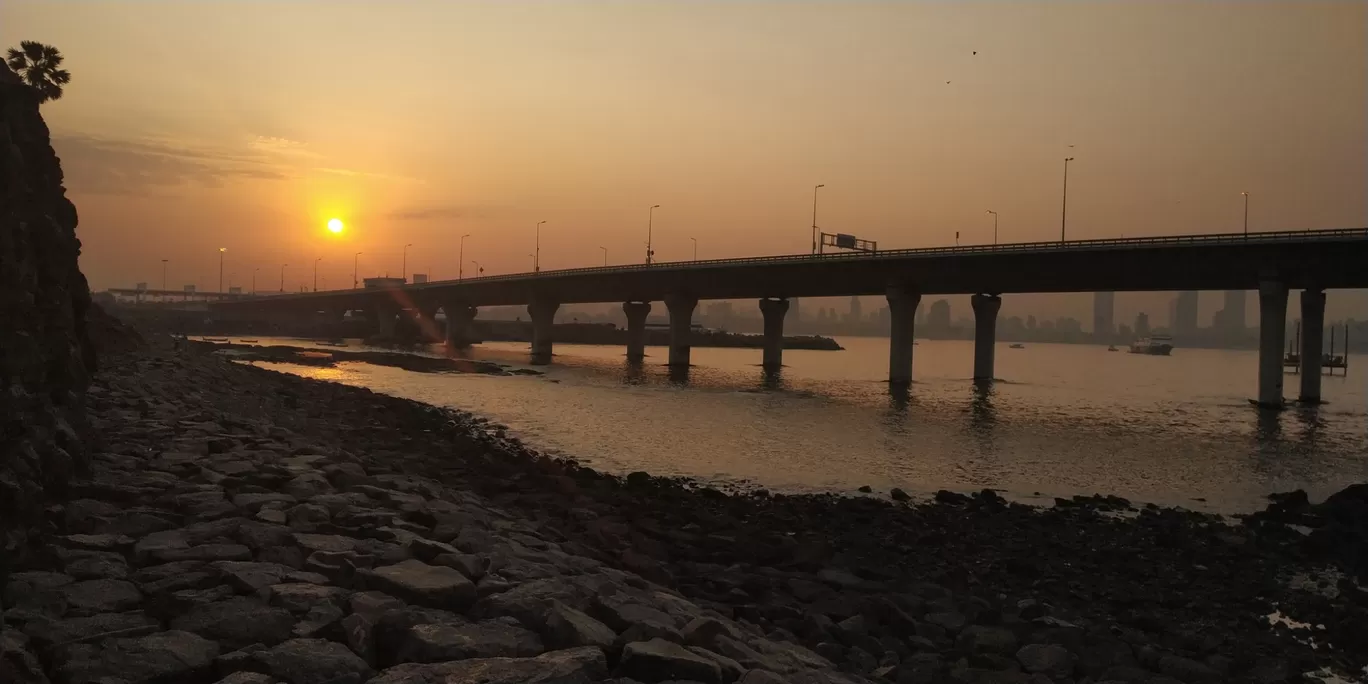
(44, 354)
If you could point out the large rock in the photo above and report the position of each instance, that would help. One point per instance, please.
(497, 638)
(570, 666)
(313, 661)
(565, 627)
(238, 622)
(162, 657)
(101, 596)
(79, 629)
(427, 585)
(1052, 660)
(659, 660)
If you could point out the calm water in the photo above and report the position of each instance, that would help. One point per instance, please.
(1063, 420)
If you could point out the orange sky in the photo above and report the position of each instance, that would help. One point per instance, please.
(193, 126)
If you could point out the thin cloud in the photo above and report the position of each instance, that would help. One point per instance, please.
(432, 213)
(126, 166)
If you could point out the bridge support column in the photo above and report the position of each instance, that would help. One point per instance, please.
(1272, 331)
(459, 317)
(1312, 341)
(543, 314)
(902, 315)
(385, 318)
(985, 333)
(774, 311)
(636, 329)
(681, 330)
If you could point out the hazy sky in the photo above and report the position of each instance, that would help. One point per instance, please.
(190, 126)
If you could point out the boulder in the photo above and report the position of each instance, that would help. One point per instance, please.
(565, 627)
(659, 660)
(238, 622)
(47, 633)
(101, 596)
(1052, 660)
(173, 656)
(570, 666)
(313, 661)
(497, 638)
(427, 585)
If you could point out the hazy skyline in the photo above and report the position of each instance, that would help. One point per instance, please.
(190, 127)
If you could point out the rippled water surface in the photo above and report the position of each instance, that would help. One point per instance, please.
(1062, 420)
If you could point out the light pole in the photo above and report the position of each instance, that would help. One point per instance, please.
(282, 277)
(221, 251)
(650, 223)
(695, 241)
(479, 270)
(814, 216)
(995, 219)
(403, 269)
(164, 274)
(460, 266)
(254, 272)
(605, 254)
(316, 273)
(1064, 211)
(356, 259)
(536, 256)
(1246, 219)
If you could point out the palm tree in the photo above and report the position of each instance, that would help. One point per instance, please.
(38, 65)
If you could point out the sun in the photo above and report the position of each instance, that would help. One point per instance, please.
(335, 225)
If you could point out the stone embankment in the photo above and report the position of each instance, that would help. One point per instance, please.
(242, 526)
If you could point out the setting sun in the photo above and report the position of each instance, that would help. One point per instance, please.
(335, 225)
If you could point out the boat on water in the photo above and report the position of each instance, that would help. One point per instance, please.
(333, 343)
(1154, 345)
(213, 339)
(1016, 345)
(1111, 347)
(246, 341)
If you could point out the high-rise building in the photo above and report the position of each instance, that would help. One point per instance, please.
(938, 318)
(855, 313)
(1233, 315)
(1142, 328)
(1104, 304)
(1183, 322)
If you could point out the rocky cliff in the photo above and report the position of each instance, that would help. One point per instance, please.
(45, 356)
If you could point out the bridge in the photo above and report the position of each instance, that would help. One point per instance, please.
(1272, 263)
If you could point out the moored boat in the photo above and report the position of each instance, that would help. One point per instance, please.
(1154, 345)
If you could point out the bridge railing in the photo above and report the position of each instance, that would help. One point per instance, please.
(1334, 235)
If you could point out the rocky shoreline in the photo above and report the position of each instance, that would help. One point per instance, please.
(328, 358)
(244, 526)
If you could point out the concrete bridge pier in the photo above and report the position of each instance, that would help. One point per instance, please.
(986, 308)
(543, 314)
(1312, 343)
(773, 310)
(459, 317)
(636, 329)
(1272, 332)
(681, 331)
(902, 315)
(384, 317)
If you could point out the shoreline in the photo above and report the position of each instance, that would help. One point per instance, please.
(851, 589)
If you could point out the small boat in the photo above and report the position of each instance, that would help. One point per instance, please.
(213, 339)
(333, 343)
(247, 341)
(1016, 345)
(1111, 347)
(1155, 345)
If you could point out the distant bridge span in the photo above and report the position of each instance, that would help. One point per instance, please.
(1272, 263)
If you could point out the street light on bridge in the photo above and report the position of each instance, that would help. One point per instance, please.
(221, 251)
(316, 273)
(356, 259)
(282, 277)
(1064, 212)
(164, 274)
(995, 224)
(254, 272)
(605, 254)
(650, 224)
(695, 241)
(479, 270)
(1246, 212)
(403, 268)
(814, 216)
(536, 256)
(460, 260)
